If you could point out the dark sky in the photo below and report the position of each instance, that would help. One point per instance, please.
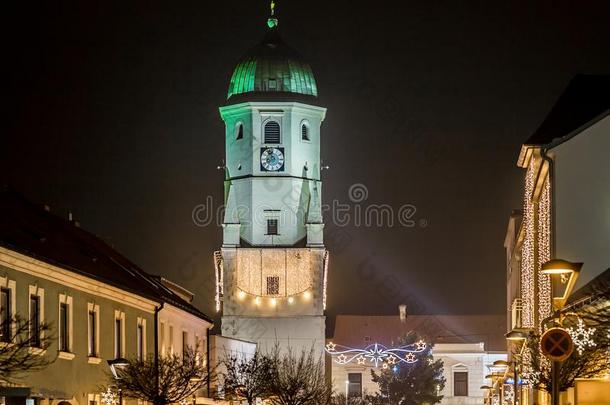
(113, 114)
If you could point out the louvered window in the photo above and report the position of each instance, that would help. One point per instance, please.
(272, 132)
(272, 227)
(304, 132)
(273, 285)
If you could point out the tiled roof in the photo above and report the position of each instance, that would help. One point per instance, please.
(358, 330)
(586, 98)
(29, 229)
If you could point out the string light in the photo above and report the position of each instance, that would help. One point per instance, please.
(218, 273)
(545, 303)
(582, 336)
(527, 253)
(292, 268)
(326, 260)
(376, 354)
(109, 397)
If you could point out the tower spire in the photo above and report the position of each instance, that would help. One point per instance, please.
(272, 21)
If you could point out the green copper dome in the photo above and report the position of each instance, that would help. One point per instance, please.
(272, 66)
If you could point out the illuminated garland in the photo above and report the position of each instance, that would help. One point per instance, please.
(218, 272)
(544, 250)
(326, 259)
(527, 254)
(376, 354)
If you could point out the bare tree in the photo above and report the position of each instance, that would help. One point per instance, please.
(23, 345)
(298, 380)
(592, 362)
(171, 379)
(247, 378)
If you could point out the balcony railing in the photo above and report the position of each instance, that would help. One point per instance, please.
(516, 311)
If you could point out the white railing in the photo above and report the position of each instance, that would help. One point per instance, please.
(516, 312)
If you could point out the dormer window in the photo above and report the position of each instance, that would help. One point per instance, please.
(272, 132)
(239, 131)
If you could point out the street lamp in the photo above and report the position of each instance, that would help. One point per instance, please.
(346, 391)
(568, 273)
(116, 365)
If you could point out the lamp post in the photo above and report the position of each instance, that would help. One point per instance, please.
(568, 273)
(115, 366)
(517, 336)
(346, 391)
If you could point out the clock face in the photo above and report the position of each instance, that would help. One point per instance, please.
(272, 159)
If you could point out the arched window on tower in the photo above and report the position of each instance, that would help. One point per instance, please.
(305, 132)
(239, 132)
(272, 132)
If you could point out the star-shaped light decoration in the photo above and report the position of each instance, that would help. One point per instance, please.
(410, 358)
(361, 359)
(342, 359)
(391, 360)
(420, 345)
(384, 366)
(109, 397)
(330, 346)
(582, 336)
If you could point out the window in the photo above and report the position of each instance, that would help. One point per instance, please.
(35, 320)
(185, 342)
(5, 315)
(273, 285)
(272, 84)
(162, 338)
(240, 131)
(140, 339)
(272, 132)
(460, 384)
(354, 388)
(93, 332)
(304, 132)
(91, 327)
(171, 340)
(117, 338)
(272, 227)
(119, 334)
(63, 327)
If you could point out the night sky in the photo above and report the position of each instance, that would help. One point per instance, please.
(113, 114)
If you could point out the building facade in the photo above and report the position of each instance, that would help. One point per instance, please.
(566, 202)
(467, 345)
(99, 305)
(271, 270)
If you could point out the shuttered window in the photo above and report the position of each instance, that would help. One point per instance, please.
(272, 227)
(272, 132)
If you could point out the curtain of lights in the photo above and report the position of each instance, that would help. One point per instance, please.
(527, 254)
(544, 250)
(292, 266)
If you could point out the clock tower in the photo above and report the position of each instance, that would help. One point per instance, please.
(271, 271)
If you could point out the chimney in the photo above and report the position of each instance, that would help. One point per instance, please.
(402, 311)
